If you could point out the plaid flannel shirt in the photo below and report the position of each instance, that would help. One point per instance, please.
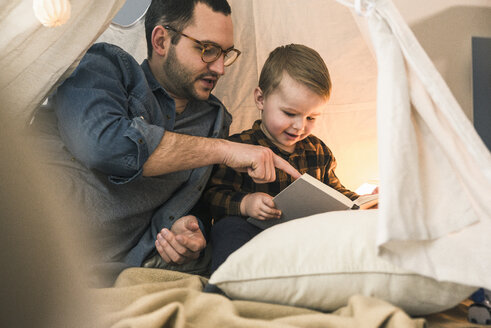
(227, 187)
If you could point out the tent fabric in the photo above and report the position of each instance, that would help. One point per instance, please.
(34, 57)
(130, 38)
(436, 182)
(434, 171)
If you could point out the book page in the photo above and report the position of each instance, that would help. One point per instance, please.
(366, 201)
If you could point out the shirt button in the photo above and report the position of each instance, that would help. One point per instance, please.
(168, 116)
(171, 218)
(140, 141)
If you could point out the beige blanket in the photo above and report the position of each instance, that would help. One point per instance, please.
(159, 298)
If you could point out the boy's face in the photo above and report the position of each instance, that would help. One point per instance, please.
(289, 113)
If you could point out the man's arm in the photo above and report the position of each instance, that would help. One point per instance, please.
(181, 152)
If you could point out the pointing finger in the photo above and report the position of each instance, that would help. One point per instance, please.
(283, 165)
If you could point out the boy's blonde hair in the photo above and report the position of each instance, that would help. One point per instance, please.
(302, 63)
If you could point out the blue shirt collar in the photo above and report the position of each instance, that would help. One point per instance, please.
(152, 81)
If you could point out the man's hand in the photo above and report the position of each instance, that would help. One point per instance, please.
(177, 152)
(260, 162)
(260, 206)
(183, 243)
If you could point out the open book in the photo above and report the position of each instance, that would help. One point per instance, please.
(308, 196)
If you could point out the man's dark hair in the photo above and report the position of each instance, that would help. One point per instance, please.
(178, 14)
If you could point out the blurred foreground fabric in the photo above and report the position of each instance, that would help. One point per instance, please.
(159, 298)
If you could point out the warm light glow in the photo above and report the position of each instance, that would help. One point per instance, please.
(52, 13)
(366, 188)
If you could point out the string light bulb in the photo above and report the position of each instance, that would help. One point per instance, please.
(52, 13)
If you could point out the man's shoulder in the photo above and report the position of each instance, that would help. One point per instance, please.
(104, 54)
(107, 62)
(108, 49)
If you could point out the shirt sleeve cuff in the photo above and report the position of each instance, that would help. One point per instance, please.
(235, 201)
(146, 137)
(202, 228)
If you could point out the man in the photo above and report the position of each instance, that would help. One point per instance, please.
(136, 143)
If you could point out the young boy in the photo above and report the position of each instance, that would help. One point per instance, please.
(294, 88)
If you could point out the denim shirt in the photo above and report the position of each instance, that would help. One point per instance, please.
(106, 120)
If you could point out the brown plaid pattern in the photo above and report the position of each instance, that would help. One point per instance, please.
(227, 187)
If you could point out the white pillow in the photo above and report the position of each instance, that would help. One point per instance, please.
(320, 261)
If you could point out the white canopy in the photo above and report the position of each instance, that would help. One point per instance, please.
(434, 171)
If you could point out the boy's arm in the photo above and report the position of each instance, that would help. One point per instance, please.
(223, 193)
(332, 180)
(225, 197)
(326, 156)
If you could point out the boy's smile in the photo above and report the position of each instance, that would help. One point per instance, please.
(292, 136)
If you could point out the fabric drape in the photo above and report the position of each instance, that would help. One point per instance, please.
(33, 58)
(435, 181)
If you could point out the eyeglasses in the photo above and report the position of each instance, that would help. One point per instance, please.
(210, 51)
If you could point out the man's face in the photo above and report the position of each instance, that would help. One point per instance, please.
(185, 73)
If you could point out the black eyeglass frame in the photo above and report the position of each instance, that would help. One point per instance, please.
(207, 45)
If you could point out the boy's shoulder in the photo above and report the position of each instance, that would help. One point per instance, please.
(315, 142)
(247, 136)
(315, 145)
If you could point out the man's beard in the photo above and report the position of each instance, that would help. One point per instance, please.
(181, 79)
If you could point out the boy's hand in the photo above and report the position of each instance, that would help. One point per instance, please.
(375, 191)
(260, 206)
(183, 243)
